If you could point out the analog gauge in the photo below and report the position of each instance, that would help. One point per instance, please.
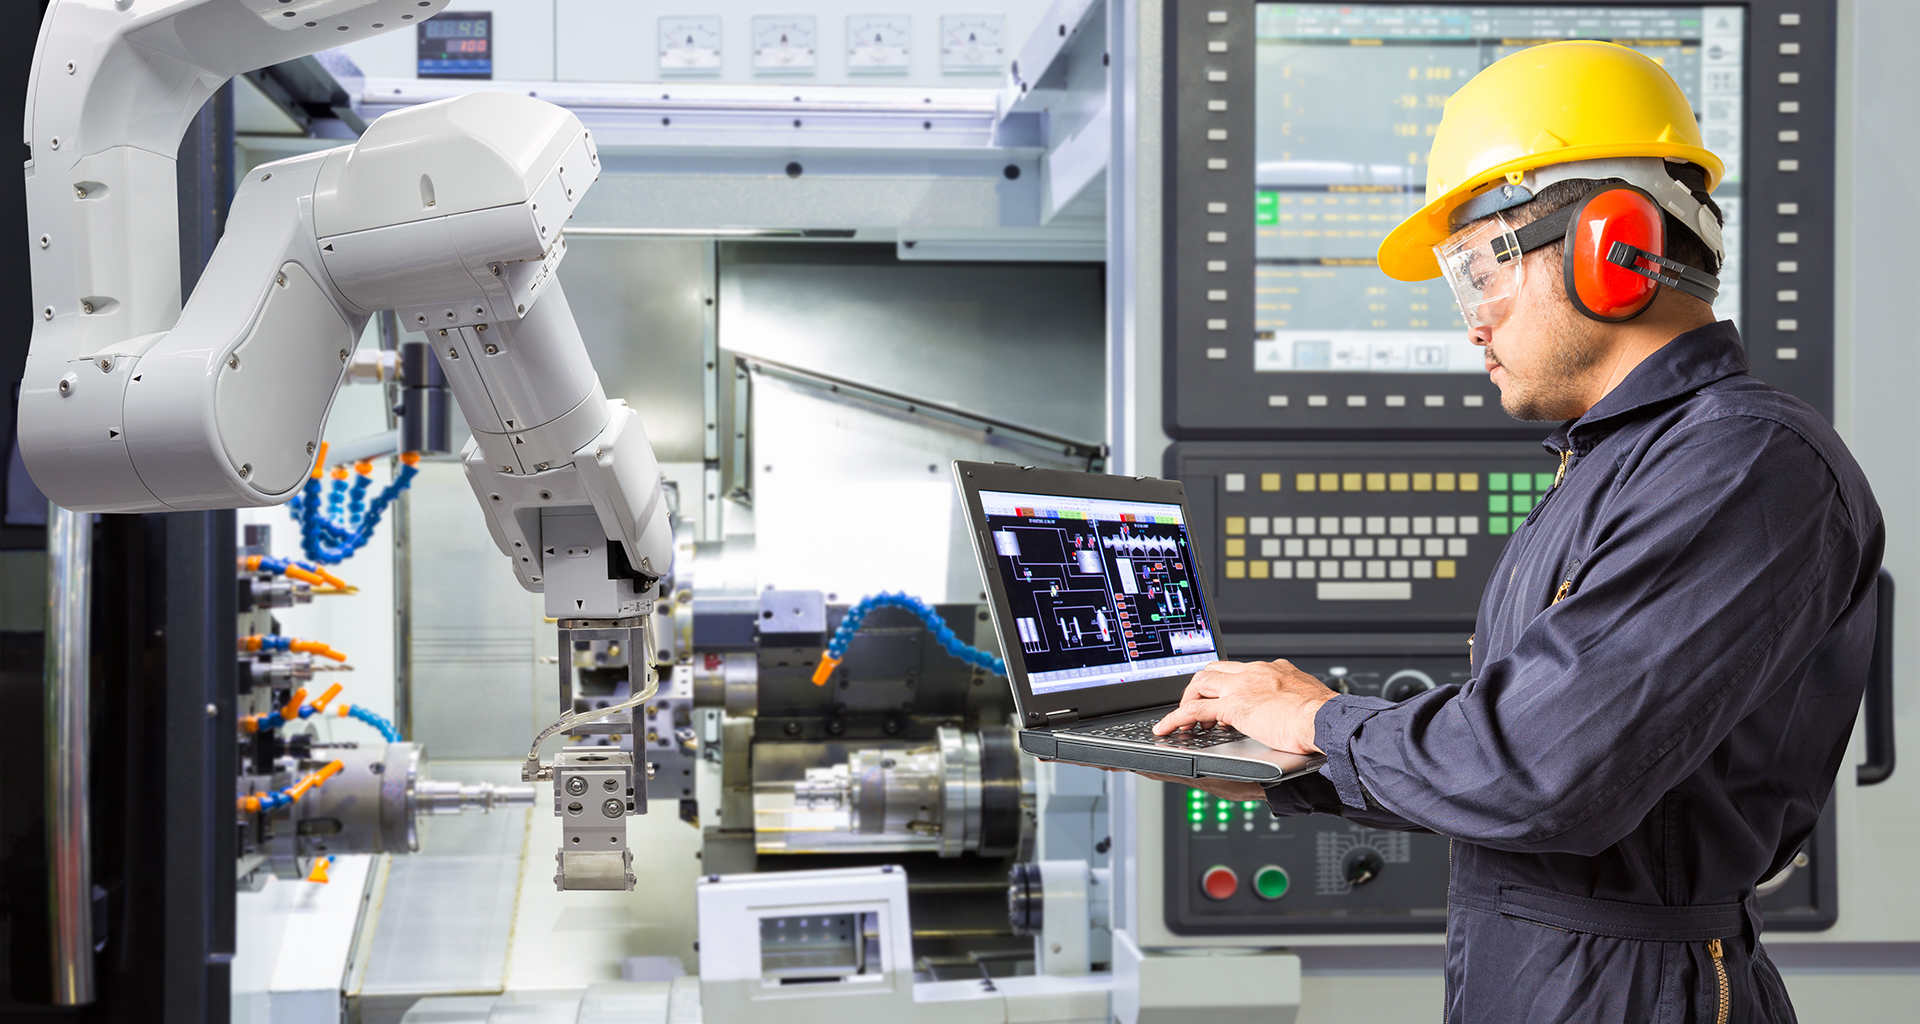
(783, 42)
(879, 42)
(972, 42)
(690, 44)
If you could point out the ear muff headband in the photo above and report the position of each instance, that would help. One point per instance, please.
(1615, 254)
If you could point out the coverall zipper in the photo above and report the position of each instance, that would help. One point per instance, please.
(1566, 454)
(1446, 1001)
(1720, 973)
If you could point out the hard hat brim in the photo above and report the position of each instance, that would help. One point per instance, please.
(1406, 254)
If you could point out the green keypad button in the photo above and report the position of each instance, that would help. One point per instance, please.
(1522, 503)
(1496, 481)
(1266, 208)
(1498, 502)
(1523, 481)
(1497, 525)
(1270, 882)
(1543, 482)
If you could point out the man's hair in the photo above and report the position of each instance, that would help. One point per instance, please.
(1683, 244)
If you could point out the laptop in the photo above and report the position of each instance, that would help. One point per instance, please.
(1101, 607)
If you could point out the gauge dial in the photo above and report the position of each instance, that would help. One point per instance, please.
(690, 44)
(879, 42)
(972, 42)
(783, 42)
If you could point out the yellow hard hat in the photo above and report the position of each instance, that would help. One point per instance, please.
(1546, 105)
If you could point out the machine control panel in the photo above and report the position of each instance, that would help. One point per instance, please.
(1234, 868)
(1356, 534)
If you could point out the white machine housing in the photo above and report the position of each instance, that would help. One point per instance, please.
(738, 984)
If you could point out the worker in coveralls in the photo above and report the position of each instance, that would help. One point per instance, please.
(1669, 657)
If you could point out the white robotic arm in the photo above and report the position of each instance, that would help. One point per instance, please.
(449, 213)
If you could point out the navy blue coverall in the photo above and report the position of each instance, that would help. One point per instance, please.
(1668, 661)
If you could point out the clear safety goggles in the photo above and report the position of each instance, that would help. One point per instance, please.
(1483, 266)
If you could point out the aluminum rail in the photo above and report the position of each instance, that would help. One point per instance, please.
(69, 842)
(1003, 430)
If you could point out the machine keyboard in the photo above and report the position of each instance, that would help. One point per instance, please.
(1189, 739)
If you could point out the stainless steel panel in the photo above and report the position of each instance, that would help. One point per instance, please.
(478, 691)
(1016, 342)
(852, 499)
(640, 303)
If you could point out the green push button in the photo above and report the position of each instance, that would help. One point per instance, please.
(1270, 882)
(1266, 208)
(1543, 482)
(1498, 502)
(1497, 525)
(1522, 503)
(1496, 481)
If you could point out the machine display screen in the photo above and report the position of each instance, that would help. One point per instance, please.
(1099, 592)
(1348, 99)
(456, 44)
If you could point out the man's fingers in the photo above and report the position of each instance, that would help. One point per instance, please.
(1178, 718)
(1208, 682)
(1191, 712)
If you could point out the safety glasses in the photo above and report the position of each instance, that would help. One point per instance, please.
(1483, 267)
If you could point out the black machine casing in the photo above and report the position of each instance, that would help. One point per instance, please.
(1786, 239)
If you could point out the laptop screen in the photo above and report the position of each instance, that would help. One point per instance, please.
(1100, 591)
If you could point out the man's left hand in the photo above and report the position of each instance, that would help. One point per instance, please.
(1269, 701)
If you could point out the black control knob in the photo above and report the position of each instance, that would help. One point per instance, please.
(1407, 682)
(1025, 910)
(1363, 865)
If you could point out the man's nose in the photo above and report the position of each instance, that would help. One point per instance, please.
(1482, 336)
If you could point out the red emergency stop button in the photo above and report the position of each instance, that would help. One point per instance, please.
(1219, 882)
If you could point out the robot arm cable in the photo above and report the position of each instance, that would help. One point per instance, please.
(533, 770)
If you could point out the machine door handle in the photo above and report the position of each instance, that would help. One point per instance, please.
(1878, 766)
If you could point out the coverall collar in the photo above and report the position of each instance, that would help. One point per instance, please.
(1687, 363)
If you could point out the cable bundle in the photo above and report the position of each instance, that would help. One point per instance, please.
(850, 624)
(291, 794)
(332, 536)
(295, 708)
(275, 643)
(305, 571)
(385, 728)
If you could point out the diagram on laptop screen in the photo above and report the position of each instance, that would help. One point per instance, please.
(1098, 592)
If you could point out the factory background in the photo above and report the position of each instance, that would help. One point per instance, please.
(832, 247)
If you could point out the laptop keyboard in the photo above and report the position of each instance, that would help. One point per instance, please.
(1187, 738)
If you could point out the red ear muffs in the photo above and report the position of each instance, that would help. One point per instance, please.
(1603, 288)
(1616, 242)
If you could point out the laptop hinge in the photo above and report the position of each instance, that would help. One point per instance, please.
(1053, 718)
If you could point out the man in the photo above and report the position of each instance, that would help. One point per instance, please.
(1669, 656)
